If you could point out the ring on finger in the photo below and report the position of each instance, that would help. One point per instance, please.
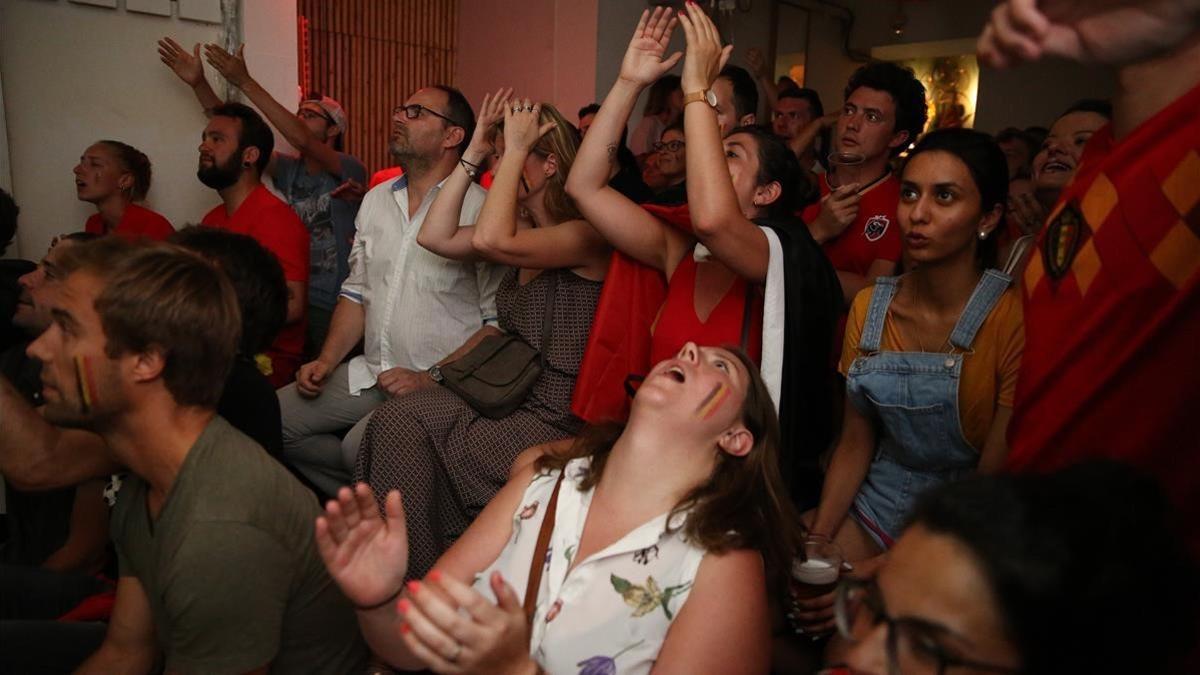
(457, 653)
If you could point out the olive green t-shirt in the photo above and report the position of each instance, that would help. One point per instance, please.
(231, 568)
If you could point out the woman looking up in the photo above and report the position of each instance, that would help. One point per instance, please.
(114, 176)
(930, 357)
(704, 276)
(655, 549)
(447, 459)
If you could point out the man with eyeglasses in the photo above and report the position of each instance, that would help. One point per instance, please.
(411, 307)
(322, 184)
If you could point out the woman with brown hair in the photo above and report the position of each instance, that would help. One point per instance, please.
(114, 176)
(447, 458)
(654, 539)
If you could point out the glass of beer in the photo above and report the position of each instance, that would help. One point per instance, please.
(816, 572)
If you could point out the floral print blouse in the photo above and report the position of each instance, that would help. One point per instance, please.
(612, 612)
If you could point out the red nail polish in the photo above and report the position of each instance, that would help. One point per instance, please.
(405, 628)
(435, 576)
(404, 605)
(413, 587)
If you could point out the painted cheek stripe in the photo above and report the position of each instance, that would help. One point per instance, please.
(713, 401)
(83, 376)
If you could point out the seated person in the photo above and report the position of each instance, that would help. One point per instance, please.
(219, 571)
(114, 176)
(670, 156)
(448, 459)
(1029, 574)
(658, 546)
(931, 357)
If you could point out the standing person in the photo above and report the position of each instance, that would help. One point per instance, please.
(322, 184)
(114, 176)
(1112, 296)
(217, 559)
(791, 112)
(855, 223)
(664, 103)
(446, 458)
(410, 307)
(758, 279)
(931, 357)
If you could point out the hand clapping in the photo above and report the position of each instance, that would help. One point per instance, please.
(644, 63)
(705, 55)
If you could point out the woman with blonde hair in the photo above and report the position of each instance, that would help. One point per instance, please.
(446, 457)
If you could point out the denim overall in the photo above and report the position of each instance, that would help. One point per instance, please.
(913, 397)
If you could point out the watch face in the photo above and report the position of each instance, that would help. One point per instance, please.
(711, 97)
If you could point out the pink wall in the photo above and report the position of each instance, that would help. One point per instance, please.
(544, 49)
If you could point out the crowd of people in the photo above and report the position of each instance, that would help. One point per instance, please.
(567, 397)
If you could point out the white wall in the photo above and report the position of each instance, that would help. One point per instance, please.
(74, 74)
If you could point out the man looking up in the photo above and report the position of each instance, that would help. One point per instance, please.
(234, 151)
(411, 307)
(218, 565)
(855, 221)
(322, 184)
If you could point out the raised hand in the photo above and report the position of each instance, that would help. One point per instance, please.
(644, 63)
(366, 555)
(1113, 32)
(756, 61)
(491, 112)
(521, 129)
(350, 190)
(705, 55)
(185, 65)
(231, 67)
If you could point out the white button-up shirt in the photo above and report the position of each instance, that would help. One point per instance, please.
(418, 306)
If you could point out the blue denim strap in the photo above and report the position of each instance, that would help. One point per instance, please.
(989, 289)
(881, 299)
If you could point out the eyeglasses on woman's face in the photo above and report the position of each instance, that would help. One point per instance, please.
(673, 146)
(914, 646)
(415, 110)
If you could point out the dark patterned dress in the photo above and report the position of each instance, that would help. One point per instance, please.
(446, 459)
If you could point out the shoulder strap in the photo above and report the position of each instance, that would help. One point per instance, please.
(872, 330)
(1017, 255)
(534, 583)
(747, 315)
(548, 318)
(989, 289)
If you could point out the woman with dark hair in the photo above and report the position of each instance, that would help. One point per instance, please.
(654, 539)
(930, 358)
(670, 158)
(664, 103)
(447, 458)
(1077, 571)
(705, 271)
(114, 176)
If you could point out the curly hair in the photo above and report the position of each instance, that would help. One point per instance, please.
(906, 91)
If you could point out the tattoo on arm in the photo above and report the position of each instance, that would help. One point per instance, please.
(612, 152)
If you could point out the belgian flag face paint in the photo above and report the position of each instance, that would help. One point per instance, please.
(86, 383)
(712, 403)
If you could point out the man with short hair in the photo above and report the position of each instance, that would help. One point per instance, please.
(411, 307)
(235, 149)
(793, 110)
(218, 563)
(855, 223)
(737, 98)
(586, 114)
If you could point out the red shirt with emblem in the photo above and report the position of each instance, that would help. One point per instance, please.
(874, 234)
(276, 226)
(1112, 313)
(136, 222)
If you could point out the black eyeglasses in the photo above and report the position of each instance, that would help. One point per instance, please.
(673, 146)
(413, 111)
(309, 112)
(913, 645)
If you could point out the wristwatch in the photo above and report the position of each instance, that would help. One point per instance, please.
(435, 373)
(707, 95)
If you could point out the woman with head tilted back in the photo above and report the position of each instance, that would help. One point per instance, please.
(930, 357)
(730, 266)
(654, 557)
(113, 176)
(444, 456)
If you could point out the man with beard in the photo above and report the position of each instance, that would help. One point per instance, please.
(409, 306)
(218, 563)
(234, 151)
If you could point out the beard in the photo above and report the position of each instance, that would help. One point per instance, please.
(220, 176)
(407, 156)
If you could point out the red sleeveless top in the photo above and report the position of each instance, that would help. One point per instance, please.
(678, 322)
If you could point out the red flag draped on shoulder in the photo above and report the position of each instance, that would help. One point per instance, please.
(619, 344)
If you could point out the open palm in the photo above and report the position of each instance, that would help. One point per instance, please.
(644, 62)
(366, 555)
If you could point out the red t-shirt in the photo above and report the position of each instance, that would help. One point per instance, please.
(277, 227)
(136, 222)
(1112, 313)
(874, 234)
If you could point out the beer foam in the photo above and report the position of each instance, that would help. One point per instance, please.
(815, 572)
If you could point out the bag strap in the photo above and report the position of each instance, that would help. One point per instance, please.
(548, 317)
(534, 583)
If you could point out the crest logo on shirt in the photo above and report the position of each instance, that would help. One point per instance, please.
(1062, 240)
(876, 227)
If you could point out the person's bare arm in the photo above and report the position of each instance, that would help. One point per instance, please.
(399, 381)
(713, 634)
(847, 469)
(129, 647)
(36, 455)
(188, 67)
(87, 536)
(345, 330)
